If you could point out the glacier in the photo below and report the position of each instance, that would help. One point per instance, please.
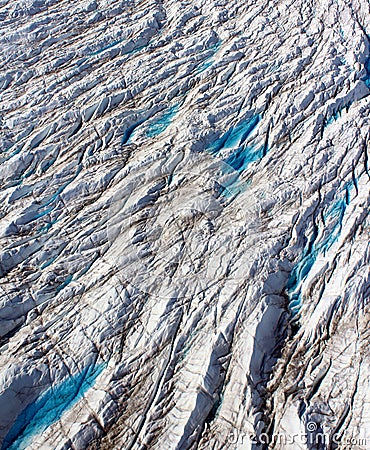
(184, 258)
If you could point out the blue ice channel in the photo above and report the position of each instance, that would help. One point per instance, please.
(204, 65)
(300, 272)
(107, 47)
(158, 126)
(367, 68)
(241, 156)
(235, 136)
(128, 134)
(240, 159)
(336, 114)
(208, 61)
(332, 118)
(335, 215)
(49, 407)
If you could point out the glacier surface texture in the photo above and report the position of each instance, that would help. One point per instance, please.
(184, 224)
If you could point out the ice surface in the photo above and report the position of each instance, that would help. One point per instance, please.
(184, 231)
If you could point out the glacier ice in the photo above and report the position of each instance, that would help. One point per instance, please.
(184, 257)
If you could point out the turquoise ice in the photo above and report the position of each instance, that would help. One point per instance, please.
(333, 217)
(49, 407)
(159, 125)
(235, 136)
